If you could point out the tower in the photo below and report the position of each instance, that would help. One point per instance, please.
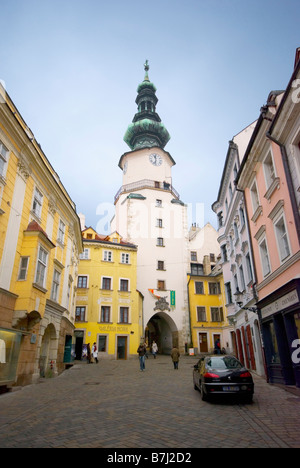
(150, 214)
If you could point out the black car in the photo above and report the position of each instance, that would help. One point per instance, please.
(222, 375)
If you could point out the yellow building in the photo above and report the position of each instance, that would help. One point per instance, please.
(40, 241)
(208, 318)
(108, 305)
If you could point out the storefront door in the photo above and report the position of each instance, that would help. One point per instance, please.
(203, 345)
(122, 347)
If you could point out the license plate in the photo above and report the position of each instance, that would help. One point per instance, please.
(230, 389)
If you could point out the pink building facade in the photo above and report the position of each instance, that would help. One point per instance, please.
(269, 178)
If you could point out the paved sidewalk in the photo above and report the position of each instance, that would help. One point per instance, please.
(114, 405)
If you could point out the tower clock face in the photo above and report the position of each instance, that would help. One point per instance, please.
(155, 159)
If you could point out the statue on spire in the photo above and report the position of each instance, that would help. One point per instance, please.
(146, 68)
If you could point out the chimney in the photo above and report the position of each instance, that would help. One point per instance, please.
(82, 221)
(206, 265)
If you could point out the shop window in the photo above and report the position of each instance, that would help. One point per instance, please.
(10, 343)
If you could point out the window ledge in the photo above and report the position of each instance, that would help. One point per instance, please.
(40, 288)
(275, 184)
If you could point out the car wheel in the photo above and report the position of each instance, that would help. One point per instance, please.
(203, 394)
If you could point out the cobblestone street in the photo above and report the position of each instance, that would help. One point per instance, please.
(114, 405)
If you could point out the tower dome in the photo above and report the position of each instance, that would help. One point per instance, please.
(146, 129)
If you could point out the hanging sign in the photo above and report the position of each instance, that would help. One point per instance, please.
(172, 298)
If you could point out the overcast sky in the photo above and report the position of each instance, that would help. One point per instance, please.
(72, 68)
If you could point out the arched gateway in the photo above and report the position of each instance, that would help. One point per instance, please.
(162, 329)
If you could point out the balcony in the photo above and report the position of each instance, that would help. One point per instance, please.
(146, 184)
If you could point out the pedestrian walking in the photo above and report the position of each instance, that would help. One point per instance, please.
(88, 353)
(142, 350)
(218, 346)
(95, 352)
(154, 349)
(175, 354)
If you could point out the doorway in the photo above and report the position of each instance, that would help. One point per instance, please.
(203, 344)
(122, 347)
(79, 335)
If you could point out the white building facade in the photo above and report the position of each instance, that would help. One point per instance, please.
(236, 259)
(150, 214)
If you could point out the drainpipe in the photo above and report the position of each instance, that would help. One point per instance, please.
(189, 312)
(289, 182)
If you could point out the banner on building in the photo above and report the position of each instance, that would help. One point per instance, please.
(172, 298)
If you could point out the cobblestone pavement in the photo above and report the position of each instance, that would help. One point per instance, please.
(114, 405)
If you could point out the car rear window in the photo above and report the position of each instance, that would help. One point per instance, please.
(225, 362)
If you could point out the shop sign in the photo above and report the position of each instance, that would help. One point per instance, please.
(280, 304)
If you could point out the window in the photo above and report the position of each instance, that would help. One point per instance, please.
(55, 285)
(124, 285)
(242, 278)
(37, 203)
(102, 343)
(106, 283)
(161, 285)
(23, 268)
(107, 256)
(3, 158)
(254, 197)
(193, 256)
(61, 231)
(228, 293)
(264, 256)
(282, 239)
(158, 203)
(217, 314)
(249, 268)
(160, 242)
(124, 314)
(82, 282)
(105, 314)
(220, 219)
(41, 267)
(199, 288)
(125, 258)
(214, 288)
(242, 217)
(196, 269)
(269, 170)
(160, 265)
(80, 314)
(201, 314)
(159, 222)
(224, 253)
(85, 255)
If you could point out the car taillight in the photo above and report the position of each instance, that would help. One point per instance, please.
(245, 374)
(210, 375)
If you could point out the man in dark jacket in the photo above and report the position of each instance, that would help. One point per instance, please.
(142, 353)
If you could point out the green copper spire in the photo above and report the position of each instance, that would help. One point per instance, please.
(146, 129)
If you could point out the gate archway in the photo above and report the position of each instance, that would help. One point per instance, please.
(162, 329)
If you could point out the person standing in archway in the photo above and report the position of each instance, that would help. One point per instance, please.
(154, 349)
